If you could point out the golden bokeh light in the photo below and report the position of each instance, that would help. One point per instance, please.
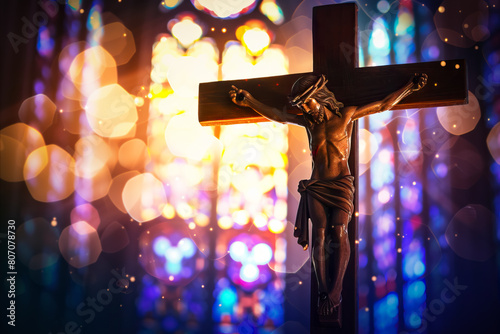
(276, 226)
(493, 142)
(111, 111)
(185, 137)
(91, 155)
(225, 222)
(17, 141)
(238, 64)
(168, 211)
(175, 104)
(144, 197)
(134, 154)
(186, 73)
(12, 159)
(204, 48)
(241, 217)
(186, 31)
(256, 41)
(117, 40)
(260, 220)
(38, 111)
(224, 9)
(116, 189)
(460, 119)
(91, 69)
(49, 174)
(368, 146)
(185, 175)
(94, 187)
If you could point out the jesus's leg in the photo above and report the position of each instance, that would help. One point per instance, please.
(319, 256)
(339, 252)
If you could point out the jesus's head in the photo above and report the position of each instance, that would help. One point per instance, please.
(311, 95)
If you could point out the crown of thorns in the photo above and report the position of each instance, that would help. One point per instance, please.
(302, 98)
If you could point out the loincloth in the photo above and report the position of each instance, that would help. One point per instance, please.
(335, 193)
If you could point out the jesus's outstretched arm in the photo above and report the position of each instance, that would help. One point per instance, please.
(243, 98)
(415, 84)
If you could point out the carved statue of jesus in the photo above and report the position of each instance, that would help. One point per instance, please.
(327, 198)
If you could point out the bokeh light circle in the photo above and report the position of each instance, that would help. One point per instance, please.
(469, 233)
(91, 69)
(86, 212)
(493, 142)
(117, 40)
(17, 141)
(116, 189)
(185, 137)
(460, 119)
(144, 197)
(38, 111)
(170, 255)
(80, 244)
(49, 174)
(111, 111)
(114, 237)
(134, 154)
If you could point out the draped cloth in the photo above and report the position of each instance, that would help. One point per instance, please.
(333, 193)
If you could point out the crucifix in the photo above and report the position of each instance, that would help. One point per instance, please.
(362, 91)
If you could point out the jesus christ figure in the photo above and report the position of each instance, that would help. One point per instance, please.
(327, 198)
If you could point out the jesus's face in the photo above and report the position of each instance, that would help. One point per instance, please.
(315, 109)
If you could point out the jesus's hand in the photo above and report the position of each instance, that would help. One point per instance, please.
(419, 81)
(239, 96)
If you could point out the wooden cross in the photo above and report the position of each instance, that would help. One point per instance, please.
(335, 54)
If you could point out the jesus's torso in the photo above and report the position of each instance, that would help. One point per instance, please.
(330, 145)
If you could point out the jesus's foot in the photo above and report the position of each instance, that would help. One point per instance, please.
(326, 307)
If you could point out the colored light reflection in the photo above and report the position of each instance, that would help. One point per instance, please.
(379, 45)
(272, 11)
(250, 258)
(170, 255)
